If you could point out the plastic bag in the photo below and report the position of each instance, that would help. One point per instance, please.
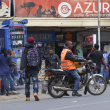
(44, 86)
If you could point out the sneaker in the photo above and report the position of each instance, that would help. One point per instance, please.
(7, 93)
(28, 99)
(14, 93)
(36, 97)
(75, 93)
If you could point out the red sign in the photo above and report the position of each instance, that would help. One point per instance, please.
(68, 36)
(61, 8)
(5, 9)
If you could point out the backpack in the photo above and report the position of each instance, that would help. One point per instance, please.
(32, 57)
(109, 59)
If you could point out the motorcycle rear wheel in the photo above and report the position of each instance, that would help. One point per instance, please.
(52, 92)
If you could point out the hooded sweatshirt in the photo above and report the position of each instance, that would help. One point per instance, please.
(24, 59)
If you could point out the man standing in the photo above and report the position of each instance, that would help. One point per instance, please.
(97, 57)
(12, 67)
(67, 64)
(103, 69)
(52, 60)
(31, 62)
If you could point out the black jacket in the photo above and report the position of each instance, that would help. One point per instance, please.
(72, 57)
(11, 64)
(51, 61)
(24, 59)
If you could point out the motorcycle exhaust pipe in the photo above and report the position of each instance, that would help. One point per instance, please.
(62, 89)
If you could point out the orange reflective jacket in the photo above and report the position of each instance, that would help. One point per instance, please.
(66, 64)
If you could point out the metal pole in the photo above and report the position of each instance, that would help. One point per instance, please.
(99, 23)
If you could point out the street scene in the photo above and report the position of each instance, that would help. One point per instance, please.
(54, 54)
(46, 102)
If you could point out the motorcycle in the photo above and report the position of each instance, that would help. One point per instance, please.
(61, 81)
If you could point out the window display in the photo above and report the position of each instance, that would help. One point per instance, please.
(59, 37)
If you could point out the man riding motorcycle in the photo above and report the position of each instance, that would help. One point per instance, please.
(67, 64)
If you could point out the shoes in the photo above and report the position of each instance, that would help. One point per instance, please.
(66, 94)
(28, 99)
(14, 89)
(75, 93)
(36, 97)
(2, 94)
(14, 93)
(7, 93)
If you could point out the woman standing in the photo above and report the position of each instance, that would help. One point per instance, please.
(5, 71)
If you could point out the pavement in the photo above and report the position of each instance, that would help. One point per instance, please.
(20, 89)
(86, 102)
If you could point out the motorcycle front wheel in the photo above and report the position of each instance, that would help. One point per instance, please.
(52, 92)
(97, 88)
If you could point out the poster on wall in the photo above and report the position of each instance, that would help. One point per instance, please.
(89, 40)
(68, 36)
(59, 37)
(61, 8)
(5, 8)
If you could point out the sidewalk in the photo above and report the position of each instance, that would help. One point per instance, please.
(21, 90)
(11, 97)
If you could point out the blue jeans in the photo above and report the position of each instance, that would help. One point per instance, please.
(104, 73)
(77, 78)
(5, 83)
(34, 75)
(102, 70)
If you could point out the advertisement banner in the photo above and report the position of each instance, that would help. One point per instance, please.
(68, 36)
(61, 8)
(89, 40)
(5, 8)
(42, 36)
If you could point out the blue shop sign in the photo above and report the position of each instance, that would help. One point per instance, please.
(42, 36)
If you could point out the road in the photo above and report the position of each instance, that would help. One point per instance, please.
(46, 102)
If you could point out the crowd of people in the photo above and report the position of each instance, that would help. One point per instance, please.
(31, 65)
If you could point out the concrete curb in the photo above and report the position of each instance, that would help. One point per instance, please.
(11, 97)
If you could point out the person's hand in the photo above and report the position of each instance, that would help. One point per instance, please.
(85, 60)
(15, 64)
(92, 50)
(107, 68)
(21, 71)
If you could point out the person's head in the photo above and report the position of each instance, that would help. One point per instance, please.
(40, 6)
(69, 44)
(31, 40)
(9, 51)
(96, 46)
(50, 51)
(53, 8)
(3, 51)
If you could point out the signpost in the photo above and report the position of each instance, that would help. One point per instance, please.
(99, 23)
